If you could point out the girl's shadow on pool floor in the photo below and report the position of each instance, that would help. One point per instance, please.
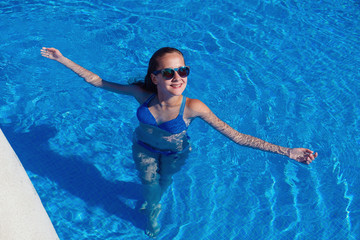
(73, 174)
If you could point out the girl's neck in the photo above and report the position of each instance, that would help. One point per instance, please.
(168, 101)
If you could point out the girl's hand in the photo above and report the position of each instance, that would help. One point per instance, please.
(302, 155)
(51, 53)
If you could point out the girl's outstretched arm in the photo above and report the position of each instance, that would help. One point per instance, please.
(92, 78)
(87, 75)
(199, 109)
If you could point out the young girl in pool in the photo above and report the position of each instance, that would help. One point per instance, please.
(160, 141)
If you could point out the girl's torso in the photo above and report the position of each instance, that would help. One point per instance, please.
(168, 135)
(174, 126)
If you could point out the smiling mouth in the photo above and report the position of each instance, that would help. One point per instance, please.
(176, 85)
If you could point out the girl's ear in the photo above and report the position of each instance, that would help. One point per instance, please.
(153, 79)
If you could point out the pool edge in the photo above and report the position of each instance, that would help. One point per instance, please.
(22, 214)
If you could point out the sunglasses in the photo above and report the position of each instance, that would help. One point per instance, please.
(169, 73)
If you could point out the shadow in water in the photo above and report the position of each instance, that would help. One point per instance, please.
(73, 174)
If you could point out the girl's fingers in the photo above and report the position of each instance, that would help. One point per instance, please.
(309, 151)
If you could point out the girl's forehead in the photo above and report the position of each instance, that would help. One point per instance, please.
(171, 60)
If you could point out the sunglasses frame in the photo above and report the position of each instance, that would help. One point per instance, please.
(174, 70)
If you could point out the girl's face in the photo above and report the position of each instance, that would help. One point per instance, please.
(176, 85)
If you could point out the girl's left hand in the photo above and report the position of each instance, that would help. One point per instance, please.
(302, 155)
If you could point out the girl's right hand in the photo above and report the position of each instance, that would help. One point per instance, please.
(302, 155)
(51, 53)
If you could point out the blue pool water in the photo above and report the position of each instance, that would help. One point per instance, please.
(284, 71)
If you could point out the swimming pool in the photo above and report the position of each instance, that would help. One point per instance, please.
(284, 71)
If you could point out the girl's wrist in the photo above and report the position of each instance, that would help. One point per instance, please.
(61, 59)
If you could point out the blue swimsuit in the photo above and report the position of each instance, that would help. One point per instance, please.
(174, 126)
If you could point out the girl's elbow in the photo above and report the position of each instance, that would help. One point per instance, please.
(94, 80)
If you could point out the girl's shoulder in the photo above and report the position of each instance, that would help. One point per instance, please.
(196, 108)
(141, 94)
(193, 103)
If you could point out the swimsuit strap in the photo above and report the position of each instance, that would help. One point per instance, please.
(146, 103)
(182, 106)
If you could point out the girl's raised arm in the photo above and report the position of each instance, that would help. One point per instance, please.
(91, 77)
(199, 109)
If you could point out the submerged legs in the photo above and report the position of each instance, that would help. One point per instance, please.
(147, 165)
(155, 172)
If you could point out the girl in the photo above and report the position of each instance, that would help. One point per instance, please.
(160, 141)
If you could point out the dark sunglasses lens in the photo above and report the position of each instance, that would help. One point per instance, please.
(184, 71)
(168, 73)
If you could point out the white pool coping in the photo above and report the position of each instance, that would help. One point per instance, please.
(22, 215)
